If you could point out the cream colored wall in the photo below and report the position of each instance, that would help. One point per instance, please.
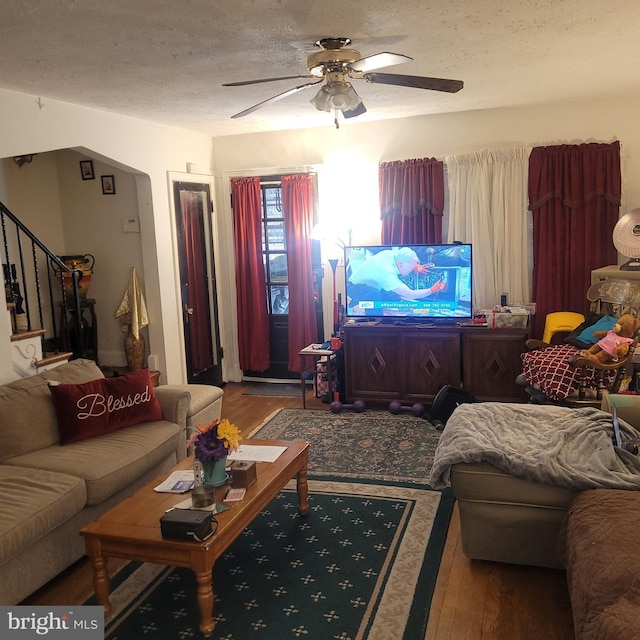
(35, 206)
(148, 152)
(72, 216)
(92, 223)
(363, 146)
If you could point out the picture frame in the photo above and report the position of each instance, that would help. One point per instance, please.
(108, 185)
(86, 170)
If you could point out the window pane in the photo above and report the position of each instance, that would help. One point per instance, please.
(278, 268)
(273, 202)
(275, 235)
(280, 300)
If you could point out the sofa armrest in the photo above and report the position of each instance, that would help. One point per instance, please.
(628, 407)
(175, 404)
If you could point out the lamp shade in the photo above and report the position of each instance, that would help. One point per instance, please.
(338, 95)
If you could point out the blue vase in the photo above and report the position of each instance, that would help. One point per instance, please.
(214, 472)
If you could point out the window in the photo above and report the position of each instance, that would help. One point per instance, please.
(274, 247)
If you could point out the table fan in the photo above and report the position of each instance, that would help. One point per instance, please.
(626, 239)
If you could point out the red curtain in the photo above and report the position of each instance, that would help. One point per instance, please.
(574, 195)
(198, 297)
(411, 201)
(297, 206)
(253, 319)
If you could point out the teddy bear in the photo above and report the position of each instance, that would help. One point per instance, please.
(614, 344)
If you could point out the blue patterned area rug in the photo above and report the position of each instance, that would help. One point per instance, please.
(373, 444)
(361, 566)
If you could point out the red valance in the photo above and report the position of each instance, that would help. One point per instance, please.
(574, 174)
(411, 187)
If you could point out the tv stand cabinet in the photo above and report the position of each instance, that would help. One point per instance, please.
(385, 362)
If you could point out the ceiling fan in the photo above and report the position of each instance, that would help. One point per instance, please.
(334, 65)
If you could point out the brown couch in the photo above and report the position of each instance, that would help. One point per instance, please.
(50, 491)
(597, 545)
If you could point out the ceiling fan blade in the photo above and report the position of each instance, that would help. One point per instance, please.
(242, 83)
(416, 82)
(377, 61)
(284, 94)
(356, 111)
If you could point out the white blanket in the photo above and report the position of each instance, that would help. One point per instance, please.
(559, 446)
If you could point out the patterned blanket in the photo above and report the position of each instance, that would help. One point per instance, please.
(572, 448)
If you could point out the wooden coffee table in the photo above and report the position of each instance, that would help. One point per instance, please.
(131, 530)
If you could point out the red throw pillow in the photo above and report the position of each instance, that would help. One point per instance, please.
(104, 405)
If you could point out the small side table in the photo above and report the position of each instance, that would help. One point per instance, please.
(88, 330)
(315, 352)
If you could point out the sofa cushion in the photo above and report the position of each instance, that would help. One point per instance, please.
(33, 504)
(101, 406)
(504, 518)
(598, 548)
(110, 462)
(27, 417)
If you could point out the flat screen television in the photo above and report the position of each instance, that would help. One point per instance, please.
(431, 282)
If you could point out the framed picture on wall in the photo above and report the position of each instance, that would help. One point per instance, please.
(86, 170)
(108, 185)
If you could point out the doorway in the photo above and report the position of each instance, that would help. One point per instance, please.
(193, 211)
(275, 260)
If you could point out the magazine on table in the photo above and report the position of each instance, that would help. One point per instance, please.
(177, 482)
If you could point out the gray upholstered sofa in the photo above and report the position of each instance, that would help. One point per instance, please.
(49, 490)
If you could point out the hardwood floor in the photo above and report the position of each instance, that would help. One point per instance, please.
(473, 600)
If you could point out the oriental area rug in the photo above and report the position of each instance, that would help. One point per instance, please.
(373, 444)
(362, 565)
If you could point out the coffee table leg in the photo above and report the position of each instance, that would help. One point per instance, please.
(302, 487)
(100, 578)
(205, 602)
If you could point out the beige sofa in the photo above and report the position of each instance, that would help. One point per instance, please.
(505, 518)
(50, 491)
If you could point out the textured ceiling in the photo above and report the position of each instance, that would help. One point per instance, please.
(165, 61)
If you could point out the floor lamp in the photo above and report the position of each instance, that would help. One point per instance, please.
(334, 263)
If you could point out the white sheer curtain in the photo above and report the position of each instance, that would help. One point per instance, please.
(488, 208)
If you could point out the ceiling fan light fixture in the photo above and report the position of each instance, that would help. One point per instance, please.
(336, 96)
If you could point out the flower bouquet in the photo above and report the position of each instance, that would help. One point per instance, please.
(212, 444)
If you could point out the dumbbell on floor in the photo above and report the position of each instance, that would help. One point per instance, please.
(417, 409)
(358, 406)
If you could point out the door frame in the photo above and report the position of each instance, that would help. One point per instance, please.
(213, 267)
(228, 331)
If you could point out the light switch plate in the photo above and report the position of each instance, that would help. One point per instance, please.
(130, 225)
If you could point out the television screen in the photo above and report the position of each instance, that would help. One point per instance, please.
(411, 281)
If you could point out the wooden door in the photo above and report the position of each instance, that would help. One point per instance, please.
(193, 210)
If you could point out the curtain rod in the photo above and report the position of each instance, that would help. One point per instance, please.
(268, 182)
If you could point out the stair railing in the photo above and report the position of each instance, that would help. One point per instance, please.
(27, 261)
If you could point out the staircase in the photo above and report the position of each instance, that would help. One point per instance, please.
(39, 289)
